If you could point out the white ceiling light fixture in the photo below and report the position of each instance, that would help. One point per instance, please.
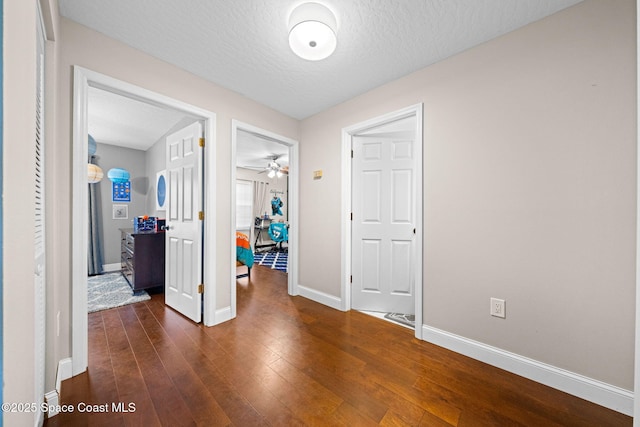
(312, 31)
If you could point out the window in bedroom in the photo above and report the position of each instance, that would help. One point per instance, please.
(244, 196)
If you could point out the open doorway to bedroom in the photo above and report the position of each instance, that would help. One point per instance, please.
(126, 136)
(84, 81)
(264, 200)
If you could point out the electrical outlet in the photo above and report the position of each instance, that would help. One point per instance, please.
(498, 308)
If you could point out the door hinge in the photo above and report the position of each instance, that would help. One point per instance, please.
(201, 288)
(352, 154)
(201, 142)
(201, 215)
(351, 216)
(350, 279)
(414, 231)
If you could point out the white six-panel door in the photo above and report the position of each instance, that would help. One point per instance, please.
(383, 226)
(183, 239)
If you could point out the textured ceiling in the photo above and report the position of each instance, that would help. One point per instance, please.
(242, 45)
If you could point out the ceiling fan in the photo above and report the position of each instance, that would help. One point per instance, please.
(274, 168)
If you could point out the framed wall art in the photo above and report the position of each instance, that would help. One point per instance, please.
(120, 212)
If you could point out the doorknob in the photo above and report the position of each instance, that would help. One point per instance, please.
(166, 227)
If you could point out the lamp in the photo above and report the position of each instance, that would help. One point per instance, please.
(271, 173)
(312, 31)
(92, 146)
(94, 173)
(118, 175)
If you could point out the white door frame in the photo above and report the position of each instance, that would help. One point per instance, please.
(82, 80)
(347, 143)
(294, 176)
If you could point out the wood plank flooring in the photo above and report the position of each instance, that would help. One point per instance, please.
(287, 361)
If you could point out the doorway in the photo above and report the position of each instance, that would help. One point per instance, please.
(238, 130)
(382, 215)
(83, 80)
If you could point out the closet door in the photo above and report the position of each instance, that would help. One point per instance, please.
(40, 253)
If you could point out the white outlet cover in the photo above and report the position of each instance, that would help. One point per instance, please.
(498, 307)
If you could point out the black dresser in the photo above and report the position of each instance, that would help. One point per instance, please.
(142, 258)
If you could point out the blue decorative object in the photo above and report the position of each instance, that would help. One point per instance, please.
(121, 191)
(118, 175)
(161, 190)
(92, 146)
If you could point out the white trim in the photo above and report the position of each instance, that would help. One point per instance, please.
(636, 405)
(223, 314)
(65, 371)
(82, 80)
(345, 220)
(595, 391)
(110, 268)
(52, 399)
(79, 231)
(320, 297)
(293, 204)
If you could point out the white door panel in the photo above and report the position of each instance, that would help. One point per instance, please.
(184, 228)
(383, 224)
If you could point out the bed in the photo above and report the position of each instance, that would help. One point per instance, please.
(244, 254)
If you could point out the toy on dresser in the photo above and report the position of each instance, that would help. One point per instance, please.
(148, 224)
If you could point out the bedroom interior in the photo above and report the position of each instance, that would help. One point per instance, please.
(262, 201)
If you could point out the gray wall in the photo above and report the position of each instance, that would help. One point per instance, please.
(111, 156)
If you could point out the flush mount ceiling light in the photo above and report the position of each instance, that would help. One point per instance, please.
(312, 31)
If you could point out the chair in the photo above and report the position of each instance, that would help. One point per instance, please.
(279, 232)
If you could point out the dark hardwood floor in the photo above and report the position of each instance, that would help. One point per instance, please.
(289, 361)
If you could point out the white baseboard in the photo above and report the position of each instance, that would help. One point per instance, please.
(65, 371)
(223, 315)
(52, 399)
(111, 267)
(595, 391)
(320, 297)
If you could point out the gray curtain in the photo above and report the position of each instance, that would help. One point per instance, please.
(95, 256)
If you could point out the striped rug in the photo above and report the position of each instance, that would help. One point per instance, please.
(274, 260)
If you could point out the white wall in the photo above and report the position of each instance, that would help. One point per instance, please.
(529, 189)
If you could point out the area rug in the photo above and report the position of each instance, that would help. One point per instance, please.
(405, 319)
(111, 290)
(274, 260)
